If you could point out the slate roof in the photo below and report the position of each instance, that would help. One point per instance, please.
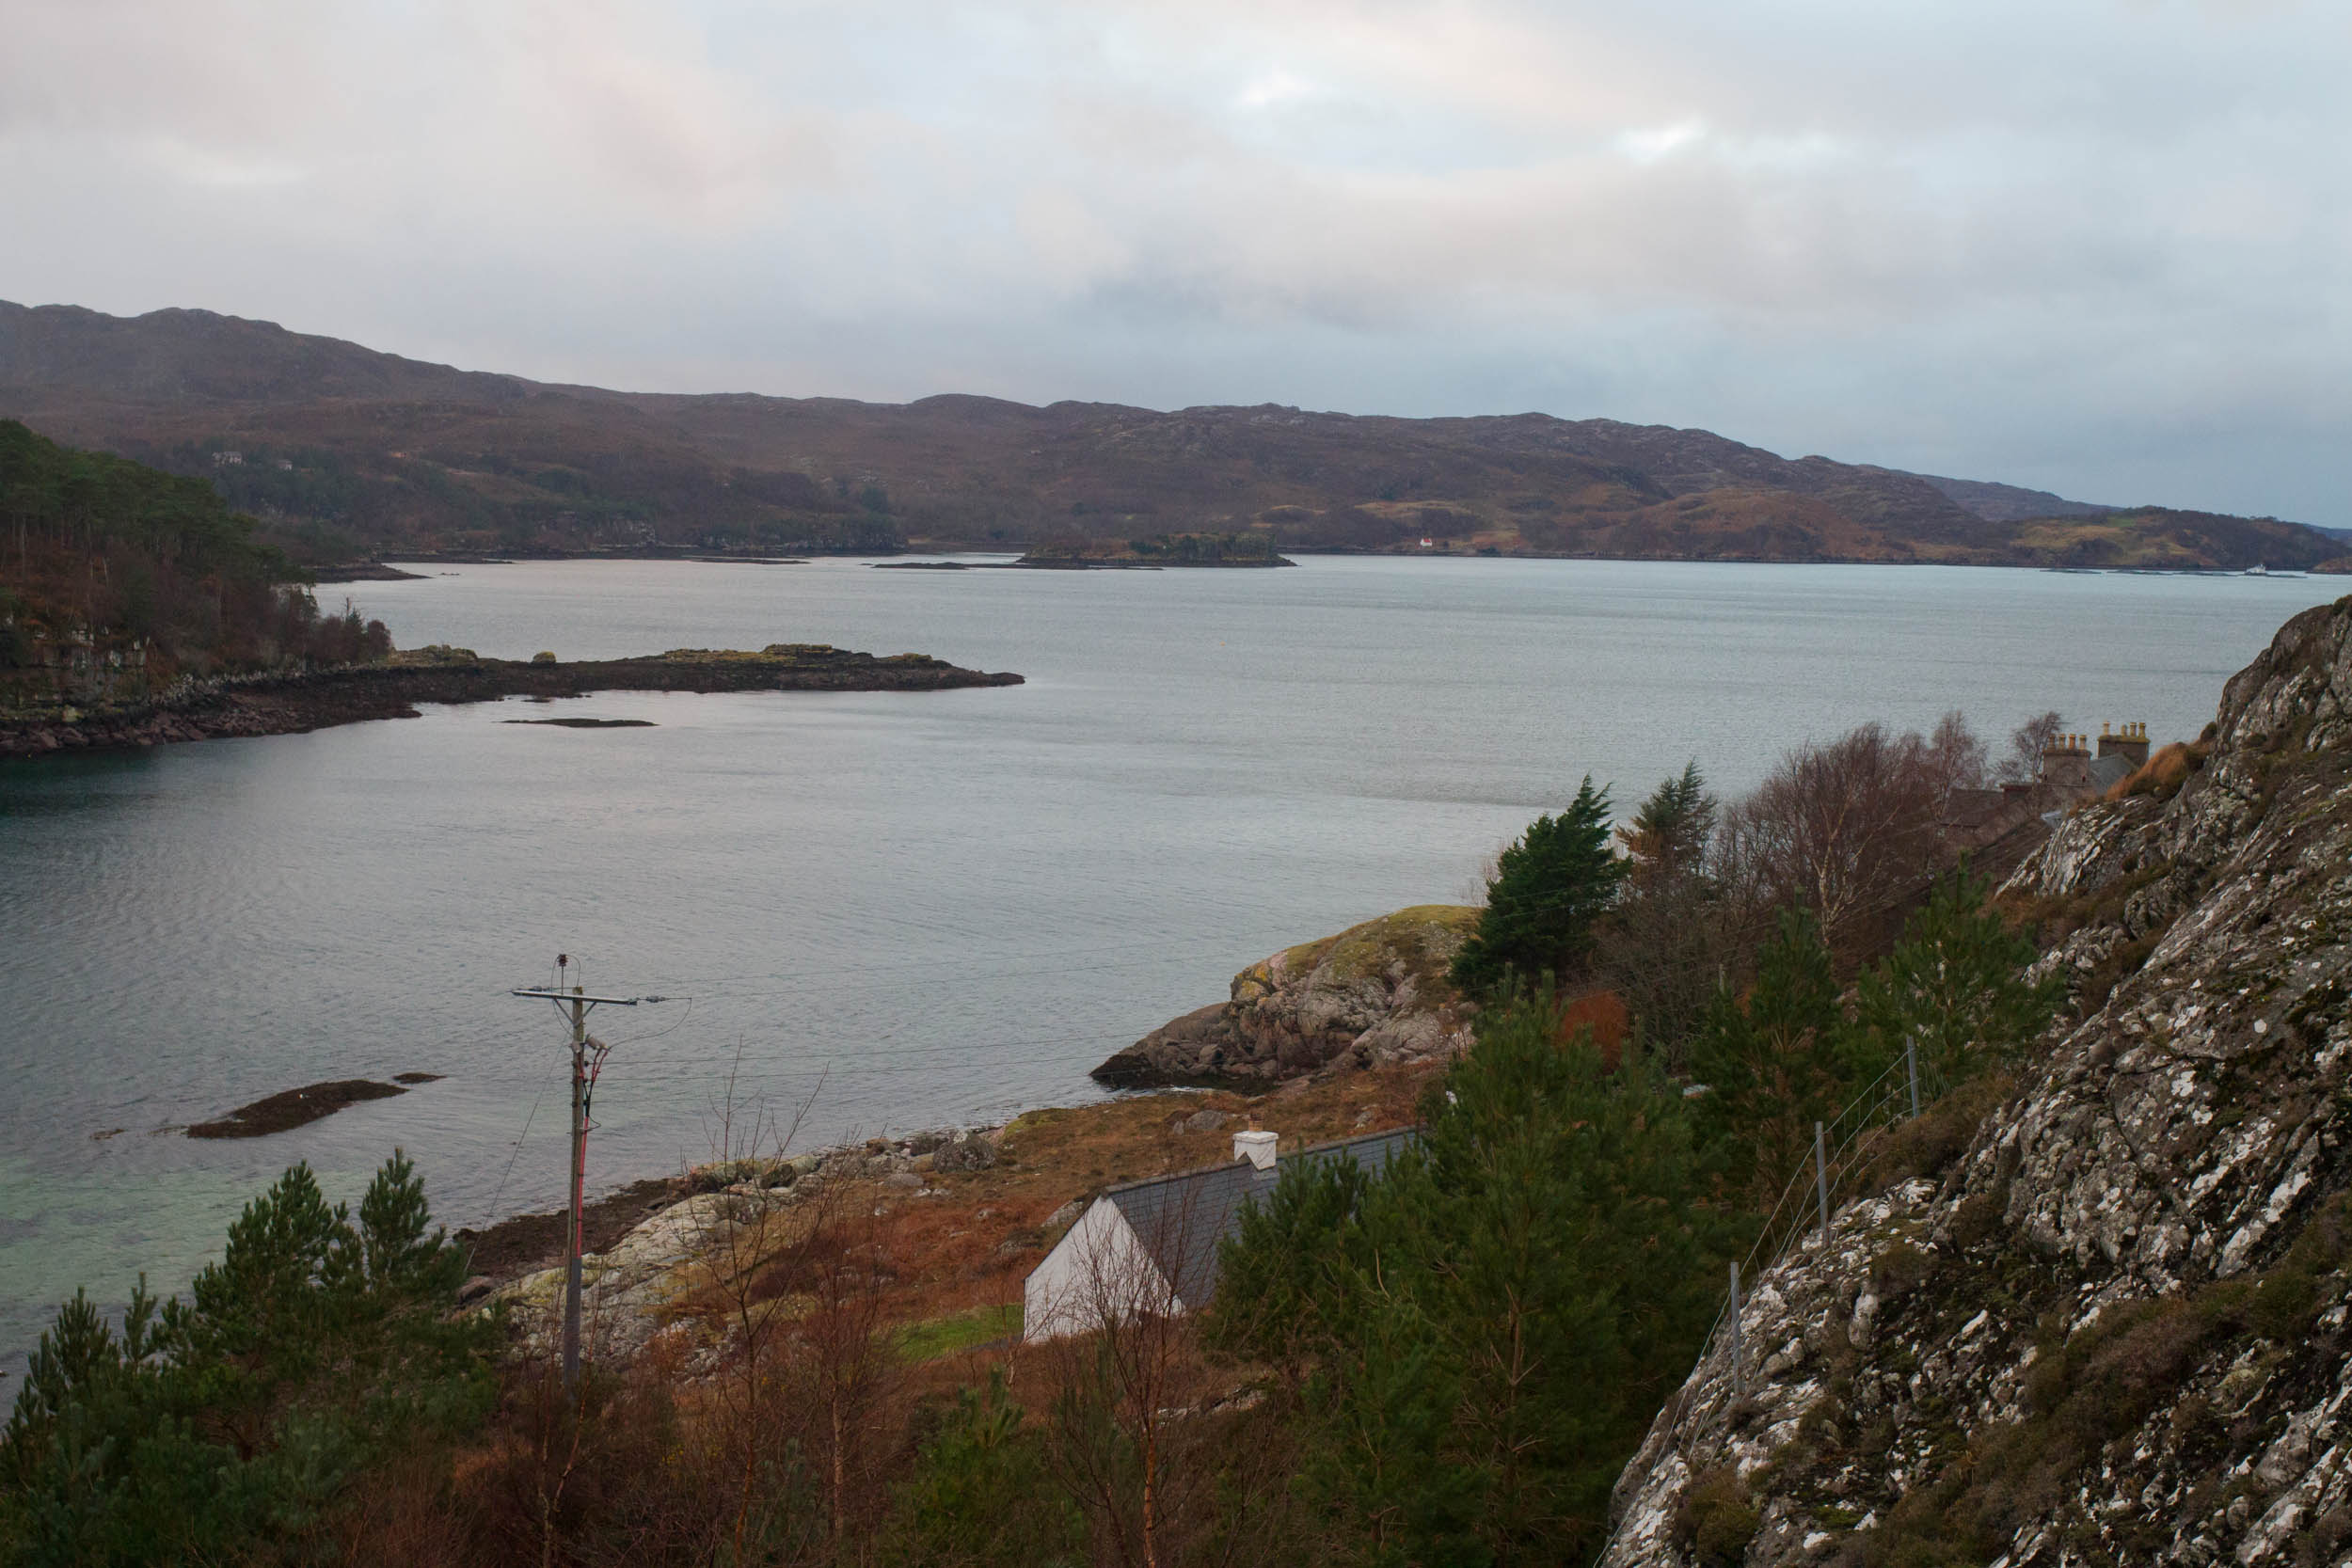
(1180, 1219)
(2109, 770)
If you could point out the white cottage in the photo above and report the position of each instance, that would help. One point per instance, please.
(1153, 1246)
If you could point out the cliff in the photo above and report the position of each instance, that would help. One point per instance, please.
(2109, 1325)
(1374, 994)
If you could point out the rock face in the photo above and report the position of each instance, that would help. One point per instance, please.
(1374, 994)
(2116, 1326)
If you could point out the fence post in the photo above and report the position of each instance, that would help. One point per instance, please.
(1821, 1175)
(1911, 1070)
(1739, 1356)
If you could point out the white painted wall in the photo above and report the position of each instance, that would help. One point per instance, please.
(1063, 1295)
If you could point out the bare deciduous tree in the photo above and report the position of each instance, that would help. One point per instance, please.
(1846, 828)
(2025, 745)
(740, 1242)
(1138, 1437)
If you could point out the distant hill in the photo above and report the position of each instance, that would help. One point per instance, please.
(2008, 503)
(343, 452)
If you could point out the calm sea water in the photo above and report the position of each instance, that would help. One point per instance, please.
(899, 910)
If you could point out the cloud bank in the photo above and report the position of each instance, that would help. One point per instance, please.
(2101, 248)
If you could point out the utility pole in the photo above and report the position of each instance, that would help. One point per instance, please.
(1820, 1177)
(1739, 1352)
(576, 1002)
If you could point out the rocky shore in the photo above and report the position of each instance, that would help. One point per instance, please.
(285, 703)
(1372, 995)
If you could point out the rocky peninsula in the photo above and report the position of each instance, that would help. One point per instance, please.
(291, 701)
(1373, 995)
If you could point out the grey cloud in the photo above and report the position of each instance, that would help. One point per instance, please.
(2061, 245)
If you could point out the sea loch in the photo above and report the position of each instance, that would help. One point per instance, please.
(904, 908)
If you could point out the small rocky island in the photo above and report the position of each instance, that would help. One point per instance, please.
(288, 702)
(1161, 549)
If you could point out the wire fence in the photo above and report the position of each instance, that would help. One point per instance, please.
(1844, 1148)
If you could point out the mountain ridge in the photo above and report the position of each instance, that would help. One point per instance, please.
(345, 450)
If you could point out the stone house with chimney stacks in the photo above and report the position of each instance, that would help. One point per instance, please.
(2072, 771)
(1152, 1246)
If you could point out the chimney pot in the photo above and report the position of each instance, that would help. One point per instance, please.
(1256, 1146)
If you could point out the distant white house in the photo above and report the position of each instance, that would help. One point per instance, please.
(1153, 1246)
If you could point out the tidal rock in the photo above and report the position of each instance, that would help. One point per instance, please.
(1374, 994)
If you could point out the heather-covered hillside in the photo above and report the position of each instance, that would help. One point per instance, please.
(341, 451)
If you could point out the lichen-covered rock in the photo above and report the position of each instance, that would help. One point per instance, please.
(638, 1289)
(1374, 994)
(627, 1292)
(2115, 1329)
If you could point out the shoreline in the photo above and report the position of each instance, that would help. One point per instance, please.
(296, 702)
(381, 571)
(964, 1213)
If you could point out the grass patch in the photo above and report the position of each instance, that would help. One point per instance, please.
(1716, 1520)
(2163, 774)
(2125, 959)
(958, 1331)
(1424, 937)
(1927, 1143)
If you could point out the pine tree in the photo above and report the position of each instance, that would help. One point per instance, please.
(1490, 1323)
(1774, 1061)
(979, 1494)
(1664, 944)
(1955, 987)
(1549, 888)
(1667, 840)
(230, 1426)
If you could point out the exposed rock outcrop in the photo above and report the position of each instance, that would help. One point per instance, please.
(661, 1276)
(1374, 994)
(2114, 1329)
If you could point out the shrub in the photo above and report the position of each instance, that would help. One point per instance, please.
(1716, 1520)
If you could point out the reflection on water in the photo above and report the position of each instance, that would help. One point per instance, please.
(946, 905)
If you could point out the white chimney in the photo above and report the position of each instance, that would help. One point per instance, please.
(1255, 1147)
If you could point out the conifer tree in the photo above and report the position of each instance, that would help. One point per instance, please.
(230, 1426)
(979, 1494)
(1548, 889)
(1666, 942)
(1666, 842)
(1955, 985)
(1491, 1323)
(1774, 1060)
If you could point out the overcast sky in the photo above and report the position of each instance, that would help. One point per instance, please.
(2098, 247)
